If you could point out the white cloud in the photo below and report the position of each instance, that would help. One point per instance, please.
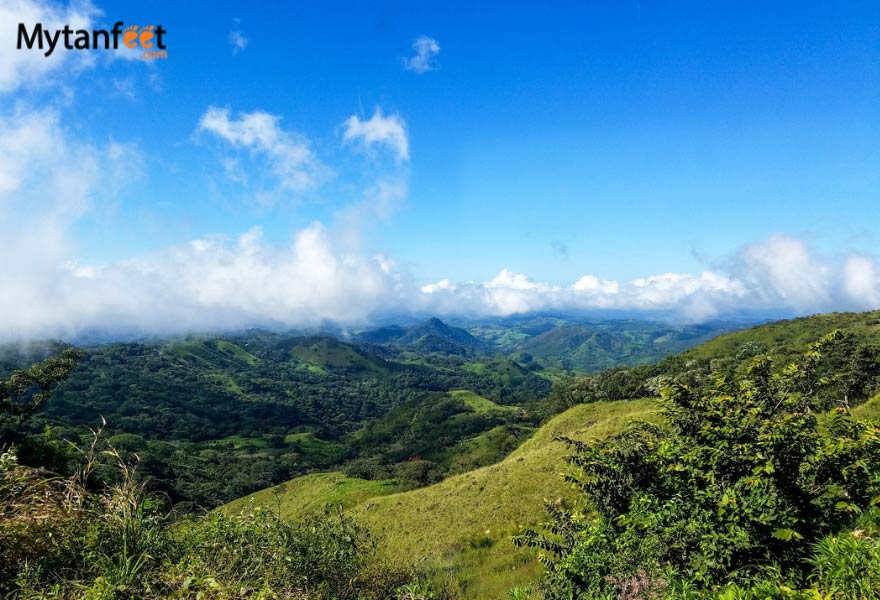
(861, 282)
(389, 131)
(237, 41)
(211, 283)
(290, 158)
(782, 269)
(778, 274)
(216, 283)
(426, 49)
(40, 170)
(28, 67)
(592, 284)
(48, 182)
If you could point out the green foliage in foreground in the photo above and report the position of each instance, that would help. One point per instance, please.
(739, 494)
(61, 540)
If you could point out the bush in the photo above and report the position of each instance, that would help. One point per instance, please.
(738, 480)
(321, 558)
(414, 474)
(62, 539)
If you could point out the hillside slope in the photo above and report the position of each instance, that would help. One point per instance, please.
(595, 347)
(462, 525)
(789, 338)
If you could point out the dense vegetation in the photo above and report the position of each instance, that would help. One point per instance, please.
(750, 478)
(98, 534)
(214, 419)
(741, 491)
(460, 527)
(72, 538)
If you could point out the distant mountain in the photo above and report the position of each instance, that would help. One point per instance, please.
(598, 346)
(383, 335)
(432, 335)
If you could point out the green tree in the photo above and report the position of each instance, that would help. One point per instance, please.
(739, 478)
(26, 391)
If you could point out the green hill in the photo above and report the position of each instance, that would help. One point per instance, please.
(788, 339)
(478, 403)
(592, 347)
(432, 335)
(323, 354)
(462, 525)
(214, 418)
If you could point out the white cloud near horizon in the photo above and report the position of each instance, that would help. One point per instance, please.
(380, 130)
(216, 283)
(290, 159)
(426, 49)
(777, 274)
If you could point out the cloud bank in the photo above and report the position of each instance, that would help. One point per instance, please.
(217, 283)
(222, 283)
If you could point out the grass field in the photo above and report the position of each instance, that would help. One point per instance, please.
(311, 494)
(460, 528)
(478, 403)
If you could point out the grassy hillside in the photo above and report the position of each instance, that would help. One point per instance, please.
(870, 410)
(309, 494)
(322, 354)
(592, 346)
(462, 525)
(789, 338)
(478, 403)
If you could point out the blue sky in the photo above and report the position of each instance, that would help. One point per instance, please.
(616, 140)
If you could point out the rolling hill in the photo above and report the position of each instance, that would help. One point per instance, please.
(593, 347)
(214, 418)
(461, 525)
(789, 338)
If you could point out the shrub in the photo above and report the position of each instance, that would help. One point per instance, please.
(61, 539)
(740, 478)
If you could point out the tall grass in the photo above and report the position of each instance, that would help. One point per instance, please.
(98, 536)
